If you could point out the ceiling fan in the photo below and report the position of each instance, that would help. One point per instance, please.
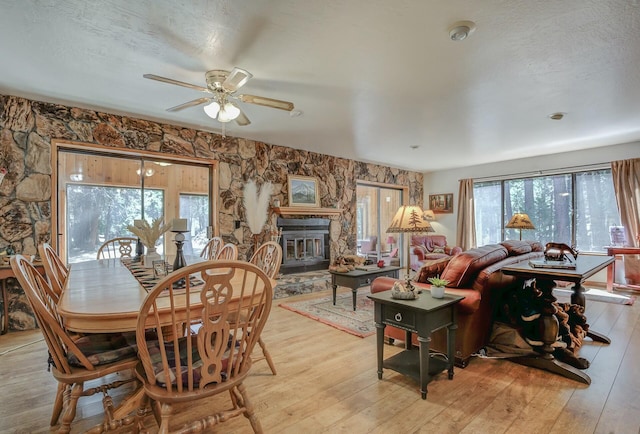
(222, 87)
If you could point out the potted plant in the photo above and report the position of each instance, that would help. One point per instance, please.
(437, 286)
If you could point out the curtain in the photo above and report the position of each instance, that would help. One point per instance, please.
(466, 228)
(626, 183)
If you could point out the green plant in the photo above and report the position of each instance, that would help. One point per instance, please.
(437, 281)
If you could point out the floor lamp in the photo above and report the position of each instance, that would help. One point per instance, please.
(408, 219)
(520, 221)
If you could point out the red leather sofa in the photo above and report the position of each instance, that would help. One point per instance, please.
(428, 248)
(474, 274)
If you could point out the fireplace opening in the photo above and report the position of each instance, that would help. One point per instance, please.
(305, 244)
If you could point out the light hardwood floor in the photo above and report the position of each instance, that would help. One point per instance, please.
(327, 383)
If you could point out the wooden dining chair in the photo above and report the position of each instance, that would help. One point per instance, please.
(76, 360)
(228, 252)
(178, 365)
(55, 270)
(212, 248)
(268, 257)
(121, 247)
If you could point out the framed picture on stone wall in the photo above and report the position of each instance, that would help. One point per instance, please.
(303, 191)
(441, 203)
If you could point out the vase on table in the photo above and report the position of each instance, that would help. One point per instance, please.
(151, 256)
(437, 291)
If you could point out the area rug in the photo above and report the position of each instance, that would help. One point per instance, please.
(341, 316)
(598, 295)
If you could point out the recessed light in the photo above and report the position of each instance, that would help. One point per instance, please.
(461, 30)
(556, 116)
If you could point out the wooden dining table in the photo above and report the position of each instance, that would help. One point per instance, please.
(103, 296)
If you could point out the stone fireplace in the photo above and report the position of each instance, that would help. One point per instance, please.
(305, 244)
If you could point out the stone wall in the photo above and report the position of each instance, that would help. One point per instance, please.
(27, 128)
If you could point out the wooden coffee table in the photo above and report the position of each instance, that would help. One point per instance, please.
(358, 278)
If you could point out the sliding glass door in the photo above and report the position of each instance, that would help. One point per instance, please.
(99, 195)
(376, 206)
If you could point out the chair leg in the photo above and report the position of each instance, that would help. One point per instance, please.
(58, 404)
(249, 413)
(165, 414)
(267, 356)
(70, 411)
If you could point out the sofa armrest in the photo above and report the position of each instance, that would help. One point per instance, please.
(380, 284)
(453, 250)
(419, 252)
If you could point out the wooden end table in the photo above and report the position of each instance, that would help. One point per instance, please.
(611, 271)
(358, 278)
(422, 316)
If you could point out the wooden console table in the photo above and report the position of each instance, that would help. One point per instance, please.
(611, 271)
(586, 266)
(422, 316)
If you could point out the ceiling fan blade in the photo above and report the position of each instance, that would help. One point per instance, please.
(172, 81)
(236, 79)
(242, 119)
(189, 104)
(267, 102)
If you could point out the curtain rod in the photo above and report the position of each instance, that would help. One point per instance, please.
(561, 170)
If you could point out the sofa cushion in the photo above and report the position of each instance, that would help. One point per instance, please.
(464, 267)
(516, 247)
(432, 269)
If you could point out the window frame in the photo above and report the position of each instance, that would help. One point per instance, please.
(572, 173)
(59, 145)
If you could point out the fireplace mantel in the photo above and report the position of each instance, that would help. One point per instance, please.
(303, 210)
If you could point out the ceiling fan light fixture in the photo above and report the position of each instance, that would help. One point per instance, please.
(212, 109)
(228, 112)
(461, 30)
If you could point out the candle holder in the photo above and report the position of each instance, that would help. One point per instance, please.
(139, 251)
(179, 261)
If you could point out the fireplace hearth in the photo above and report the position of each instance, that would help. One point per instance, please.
(305, 244)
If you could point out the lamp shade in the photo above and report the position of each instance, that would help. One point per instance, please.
(409, 219)
(520, 221)
(391, 239)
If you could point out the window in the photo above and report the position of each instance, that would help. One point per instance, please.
(376, 206)
(572, 208)
(89, 223)
(100, 191)
(195, 208)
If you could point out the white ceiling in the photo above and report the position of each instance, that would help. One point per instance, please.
(373, 78)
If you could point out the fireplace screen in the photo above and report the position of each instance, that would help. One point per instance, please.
(305, 244)
(304, 248)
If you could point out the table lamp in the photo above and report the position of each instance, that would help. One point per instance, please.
(408, 219)
(520, 221)
(391, 240)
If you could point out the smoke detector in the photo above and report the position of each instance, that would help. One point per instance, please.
(461, 30)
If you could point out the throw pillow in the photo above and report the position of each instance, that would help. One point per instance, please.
(464, 267)
(438, 250)
(431, 269)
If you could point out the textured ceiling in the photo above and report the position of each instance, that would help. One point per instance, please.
(373, 79)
